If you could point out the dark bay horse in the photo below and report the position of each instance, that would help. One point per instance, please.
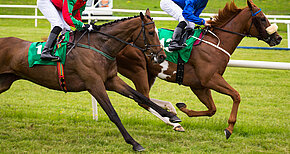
(87, 70)
(207, 63)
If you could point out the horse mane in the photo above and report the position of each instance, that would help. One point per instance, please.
(225, 14)
(116, 21)
(98, 27)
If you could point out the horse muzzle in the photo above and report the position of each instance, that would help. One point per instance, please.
(273, 39)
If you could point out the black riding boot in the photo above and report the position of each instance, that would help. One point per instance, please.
(48, 48)
(175, 43)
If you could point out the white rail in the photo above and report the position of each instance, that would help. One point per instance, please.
(259, 64)
(35, 17)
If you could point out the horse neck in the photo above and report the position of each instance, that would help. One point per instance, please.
(123, 30)
(238, 24)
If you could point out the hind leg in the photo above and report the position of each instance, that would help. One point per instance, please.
(204, 95)
(6, 81)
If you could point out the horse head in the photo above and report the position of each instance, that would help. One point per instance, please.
(260, 26)
(153, 49)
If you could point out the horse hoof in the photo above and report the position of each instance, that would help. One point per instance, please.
(179, 129)
(227, 133)
(181, 105)
(174, 119)
(138, 148)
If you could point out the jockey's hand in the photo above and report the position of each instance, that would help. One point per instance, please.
(88, 27)
(207, 24)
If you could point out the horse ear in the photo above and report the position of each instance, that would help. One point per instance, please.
(147, 12)
(249, 2)
(141, 15)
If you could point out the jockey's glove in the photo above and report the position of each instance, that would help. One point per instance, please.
(88, 27)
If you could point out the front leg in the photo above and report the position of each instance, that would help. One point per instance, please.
(218, 83)
(119, 86)
(97, 90)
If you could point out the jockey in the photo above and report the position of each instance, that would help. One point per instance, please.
(187, 13)
(61, 14)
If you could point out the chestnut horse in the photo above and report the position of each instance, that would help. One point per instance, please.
(207, 63)
(88, 70)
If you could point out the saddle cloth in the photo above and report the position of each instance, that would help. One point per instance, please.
(36, 48)
(165, 36)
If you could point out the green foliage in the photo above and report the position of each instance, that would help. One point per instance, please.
(34, 119)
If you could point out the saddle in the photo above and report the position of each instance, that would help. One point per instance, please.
(180, 57)
(36, 48)
(60, 49)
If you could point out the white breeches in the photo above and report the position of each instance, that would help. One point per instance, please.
(53, 15)
(175, 11)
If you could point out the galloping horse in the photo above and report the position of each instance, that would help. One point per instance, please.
(88, 70)
(207, 63)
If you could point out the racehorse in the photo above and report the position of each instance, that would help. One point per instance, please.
(86, 69)
(207, 63)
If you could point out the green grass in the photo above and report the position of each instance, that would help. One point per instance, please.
(34, 119)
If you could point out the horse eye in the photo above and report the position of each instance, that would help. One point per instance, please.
(151, 33)
(263, 19)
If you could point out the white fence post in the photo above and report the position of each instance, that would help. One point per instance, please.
(36, 17)
(95, 108)
(288, 34)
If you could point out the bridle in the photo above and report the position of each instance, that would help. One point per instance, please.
(133, 45)
(147, 47)
(247, 33)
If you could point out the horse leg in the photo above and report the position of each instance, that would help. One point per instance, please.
(176, 126)
(119, 86)
(204, 95)
(143, 88)
(218, 83)
(164, 104)
(6, 81)
(99, 92)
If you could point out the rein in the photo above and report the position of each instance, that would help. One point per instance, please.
(224, 30)
(92, 48)
(147, 47)
(241, 34)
